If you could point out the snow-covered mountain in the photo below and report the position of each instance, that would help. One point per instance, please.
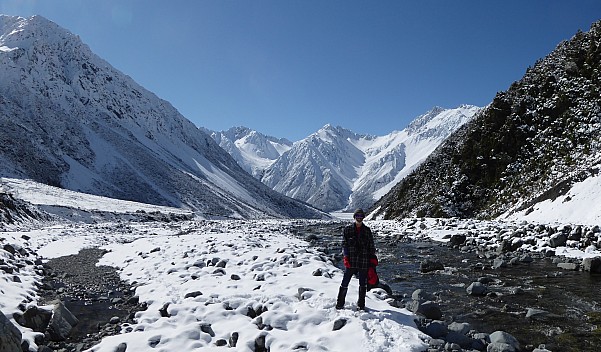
(254, 151)
(70, 119)
(535, 149)
(336, 169)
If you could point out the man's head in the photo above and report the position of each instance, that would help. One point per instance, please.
(359, 215)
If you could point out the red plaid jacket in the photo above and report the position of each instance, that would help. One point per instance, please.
(358, 246)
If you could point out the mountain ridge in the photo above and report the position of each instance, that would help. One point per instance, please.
(72, 120)
(335, 168)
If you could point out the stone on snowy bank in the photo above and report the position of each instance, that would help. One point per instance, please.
(10, 336)
(428, 309)
(436, 329)
(193, 294)
(260, 343)
(339, 324)
(61, 323)
(163, 311)
(558, 240)
(34, 318)
(233, 340)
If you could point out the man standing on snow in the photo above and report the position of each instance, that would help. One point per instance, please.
(358, 249)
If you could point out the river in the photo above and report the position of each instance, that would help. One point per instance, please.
(566, 315)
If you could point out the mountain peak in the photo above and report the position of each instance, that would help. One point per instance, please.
(20, 32)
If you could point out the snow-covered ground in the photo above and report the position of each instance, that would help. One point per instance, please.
(580, 205)
(264, 267)
(225, 268)
(44, 195)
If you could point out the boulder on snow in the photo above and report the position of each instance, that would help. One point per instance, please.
(34, 318)
(428, 309)
(558, 240)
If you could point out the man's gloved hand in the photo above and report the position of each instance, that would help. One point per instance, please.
(347, 263)
(373, 261)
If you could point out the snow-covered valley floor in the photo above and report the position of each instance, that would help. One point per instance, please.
(228, 266)
(212, 284)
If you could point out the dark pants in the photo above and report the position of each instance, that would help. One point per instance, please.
(348, 275)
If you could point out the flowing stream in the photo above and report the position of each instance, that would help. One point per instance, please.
(565, 304)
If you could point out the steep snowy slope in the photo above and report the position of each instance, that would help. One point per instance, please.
(254, 151)
(533, 150)
(69, 119)
(335, 168)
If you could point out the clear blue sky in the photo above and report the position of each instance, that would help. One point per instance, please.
(288, 67)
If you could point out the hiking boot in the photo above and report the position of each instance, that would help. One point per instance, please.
(341, 297)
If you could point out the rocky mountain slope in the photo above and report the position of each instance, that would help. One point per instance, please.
(71, 120)
(252, 150)
(337, 169)
(533, 143)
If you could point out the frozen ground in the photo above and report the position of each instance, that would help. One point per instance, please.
(228, 266)
(215, 280)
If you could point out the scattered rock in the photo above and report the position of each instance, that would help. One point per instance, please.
(436, 329)
(534, 313)
(163, 310)
(429, 265)
(339, 324)
(233, 339)
(501, 341)
(477, 289)
(569, 266)
(207, 329)
(429, 309)
(192, 294)
(34, 318)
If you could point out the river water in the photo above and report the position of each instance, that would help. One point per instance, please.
(569, 300)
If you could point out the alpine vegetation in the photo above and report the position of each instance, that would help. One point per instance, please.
(534, 143)
(69, 119)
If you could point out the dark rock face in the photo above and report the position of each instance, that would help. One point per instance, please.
(10, 336)
(61, 323)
